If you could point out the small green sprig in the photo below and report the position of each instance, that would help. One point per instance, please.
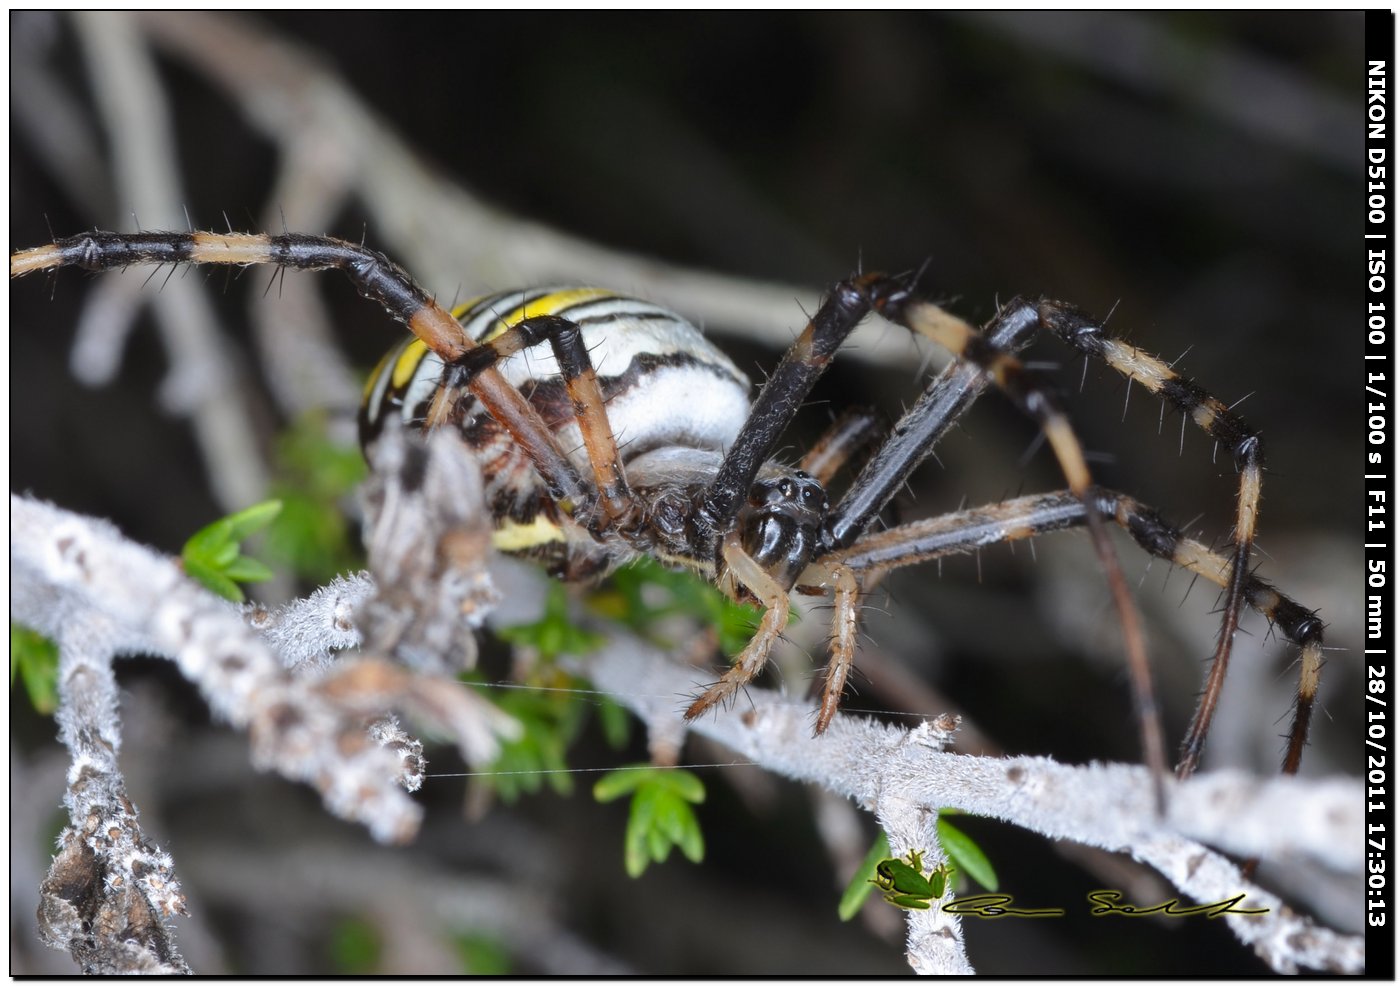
(555, 633)
(550, 721)
(212, 555)
(314, 475)
(660, 816)
(645, 592)
(34, 660)
(966, 856)
(551, 717)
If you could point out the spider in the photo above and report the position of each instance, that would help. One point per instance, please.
(664, 454)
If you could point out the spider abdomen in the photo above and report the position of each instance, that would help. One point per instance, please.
(665, 385)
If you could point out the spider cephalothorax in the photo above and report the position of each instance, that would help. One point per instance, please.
(607, 428)
(783, 523)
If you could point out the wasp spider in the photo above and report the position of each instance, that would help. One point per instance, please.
(693, 480)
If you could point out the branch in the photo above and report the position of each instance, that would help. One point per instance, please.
(201, 382)
(107, 876)
(424, 902)
(78, 580)
(309, 728)
(905, 778)
(453, 240)
(305, 633)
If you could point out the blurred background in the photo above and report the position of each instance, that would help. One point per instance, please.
(1198, 176)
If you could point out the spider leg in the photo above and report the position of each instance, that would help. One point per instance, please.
(852, 431)
(771, 412)
(1024, 517)
(1025, 389)
(1298, 624)
(773, 596)
(961, 532)
(565, 338)
(913, 438)
(375, 276)
(844, 621)
(779, 401)
(1087, 335)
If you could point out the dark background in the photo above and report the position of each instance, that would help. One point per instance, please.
(1198, 175)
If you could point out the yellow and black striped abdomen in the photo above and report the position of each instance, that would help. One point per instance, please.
(663, 383)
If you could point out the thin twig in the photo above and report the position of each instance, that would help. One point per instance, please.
(129, 94)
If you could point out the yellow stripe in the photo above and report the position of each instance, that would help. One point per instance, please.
(407, 363)
(461, 310)
(511, 535)
(549, 304)
(379, 371)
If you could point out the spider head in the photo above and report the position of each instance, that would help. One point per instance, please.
(782, 524)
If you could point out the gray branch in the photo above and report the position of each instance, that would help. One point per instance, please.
(109, 892)
(905, 777)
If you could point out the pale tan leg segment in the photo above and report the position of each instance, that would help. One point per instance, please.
(774, 599)
(843, 643)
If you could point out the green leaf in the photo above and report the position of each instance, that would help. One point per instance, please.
(678, 823)
(659, 817)
(643, 811)
(668, 819)
(671, 780)
(246, 523)
(223, 555)
(691, 839)
(245, 569)
(860, 886)
(615, 783)
(658, 843)
(635, 857)
(212, 579)
(615, 722)
(682, 783)
(966, 855)
(34, 660)
(555, 633)
(209, 540)
(211, 555)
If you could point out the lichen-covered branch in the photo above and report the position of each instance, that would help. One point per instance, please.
(309, 728)
(905, 777)
(109, 891)
(78, 580)
(305, 633)
(309, 717)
